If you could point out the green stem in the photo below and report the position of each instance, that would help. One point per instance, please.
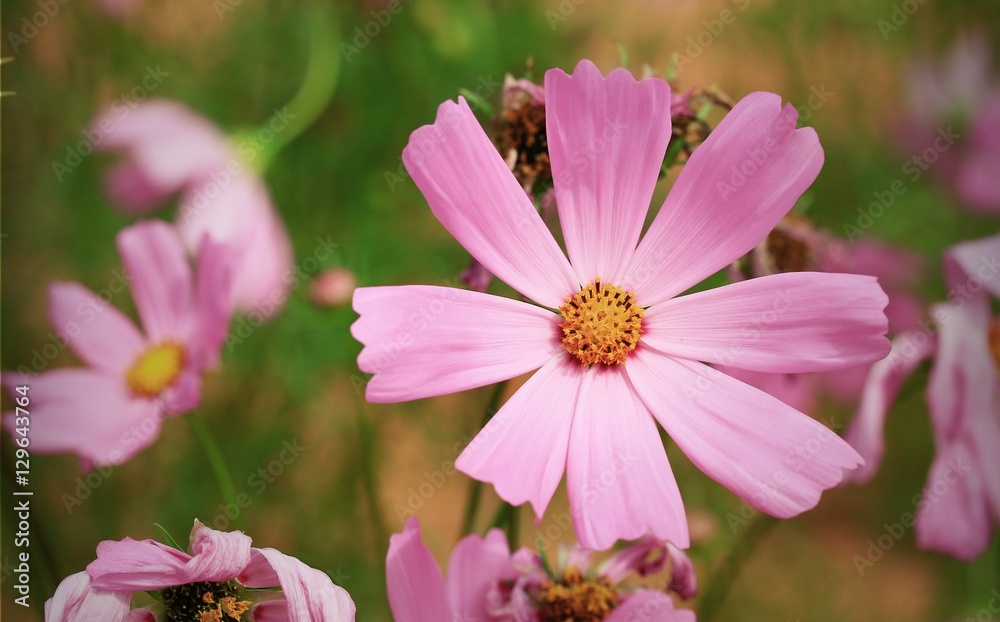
(731, 566)
(476, 486)
(502, 516)
(218, 464)
(513, 520)
(318, 84)
(369, 476)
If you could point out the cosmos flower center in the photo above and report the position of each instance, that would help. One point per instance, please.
(523, 134)
(576, 598)
(994, 341)
(788, 253)
(155, 369)
(601, 324)
(204, 602)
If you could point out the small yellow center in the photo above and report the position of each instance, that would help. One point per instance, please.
(601, 324)
(155, 369)
(995, 341)
(575, 598)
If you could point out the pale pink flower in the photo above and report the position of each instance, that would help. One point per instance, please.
(113, 408)
(222, 578)
(952, 129)
(961, 501)
(624, 350)
(169, 151)
(485, 581)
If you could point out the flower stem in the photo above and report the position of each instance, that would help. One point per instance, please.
(222, 476)
(369, 475)
(318, 84)
(730, 566)
(476, 486)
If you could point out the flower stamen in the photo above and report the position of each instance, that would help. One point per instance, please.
(575, 598)
(601, 324)
(204, 602)
(155, 369)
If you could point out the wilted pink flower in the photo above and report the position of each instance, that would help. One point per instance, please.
(962, 498)
(222, 579)
(616, 346)
(109, 411)
(953, 126)
(485, 581)
(170, 150)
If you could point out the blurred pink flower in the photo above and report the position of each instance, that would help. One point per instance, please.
(109, 411)
(221, 579)
(485, 581)
(624, 350)
(795, 245)
(332, 287)
(954, 118)
(962, 498)
(170, 150)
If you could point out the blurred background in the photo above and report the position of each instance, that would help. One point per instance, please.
(293, 382)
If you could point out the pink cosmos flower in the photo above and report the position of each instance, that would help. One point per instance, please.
(486, 582)
(953, 126)
(961, 501)
(113, 408)
(616, 346)
(171, 150)
(221, 579)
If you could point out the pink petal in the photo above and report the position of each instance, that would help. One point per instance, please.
(475, 196)
(184, 395)
(476, 565)
(867, 431)
(646, 556)
(97, 332)
(963, 381)
(800, 391)
(784, 323)
(974, 265)
(953, 515)
(310, 595)
(87, 413)
(715, 213)
(214, 302)
(160, 278)
(774, 457)
(683, 580)
(649, 606)
(149, 565)
(522, 450)
(619, 481)
(413, 579)
(271, 611)
(167, 146)
(75, 600)
(422, 341)
(242, 215)
(607, 138)
(128, 187)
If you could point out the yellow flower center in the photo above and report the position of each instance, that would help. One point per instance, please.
(204, 602)
(155, 369)
(575, 598)
(995, 341)
(601, 324)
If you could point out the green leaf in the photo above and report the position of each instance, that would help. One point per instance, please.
(166, 536)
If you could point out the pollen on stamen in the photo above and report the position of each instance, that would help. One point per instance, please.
(601, 324)
(155, 369)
